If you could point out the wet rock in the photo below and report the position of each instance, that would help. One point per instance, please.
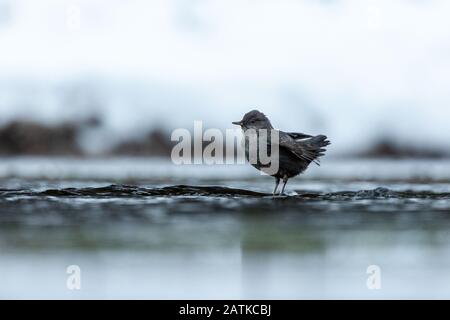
(376, 193)
(113, 191)
(132, 191)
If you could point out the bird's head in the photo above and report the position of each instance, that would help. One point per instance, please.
(254, 120)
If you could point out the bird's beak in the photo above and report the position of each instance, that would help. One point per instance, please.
(238, 123)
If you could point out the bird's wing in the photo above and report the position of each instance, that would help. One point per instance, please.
(308, 149)
(298, 135)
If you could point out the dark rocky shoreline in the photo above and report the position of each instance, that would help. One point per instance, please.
(22, 138)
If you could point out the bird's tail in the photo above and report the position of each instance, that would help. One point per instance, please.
(316, 147)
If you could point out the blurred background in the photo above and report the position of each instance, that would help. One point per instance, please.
(99, 77)
(90, 92)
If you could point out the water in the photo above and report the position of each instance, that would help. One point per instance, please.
(141, 228)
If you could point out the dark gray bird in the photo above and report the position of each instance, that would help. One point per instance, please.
(296, 150)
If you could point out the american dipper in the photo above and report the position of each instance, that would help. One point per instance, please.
(295, 150)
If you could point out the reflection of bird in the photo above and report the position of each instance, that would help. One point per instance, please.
(296, 150)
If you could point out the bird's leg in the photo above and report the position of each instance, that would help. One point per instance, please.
(277, 182)
(285, 180)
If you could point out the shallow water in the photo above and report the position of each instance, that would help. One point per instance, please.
(142, 228)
